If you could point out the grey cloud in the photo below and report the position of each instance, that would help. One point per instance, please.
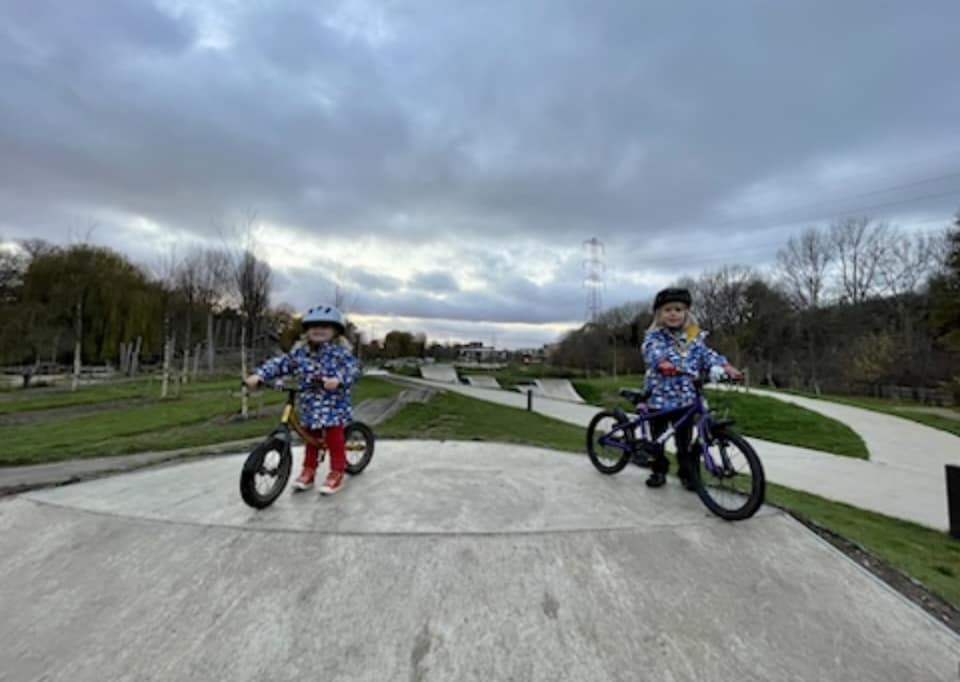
(435, 281)
(497, 123)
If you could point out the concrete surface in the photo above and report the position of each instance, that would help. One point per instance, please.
(442, 373)
(482, 381)
(911, 493)
(14, 479)
(458, 561)
(557, 389)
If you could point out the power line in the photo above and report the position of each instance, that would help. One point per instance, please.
(764, 246)
(804, 207)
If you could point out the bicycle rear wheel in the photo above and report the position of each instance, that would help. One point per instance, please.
(265, 473)
(609, 453)
(359, 441)
(736, 489)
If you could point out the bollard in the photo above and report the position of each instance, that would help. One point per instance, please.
(953, 499)
(529, 400)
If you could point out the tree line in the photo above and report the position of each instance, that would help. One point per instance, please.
(850, 308)
(83, 304)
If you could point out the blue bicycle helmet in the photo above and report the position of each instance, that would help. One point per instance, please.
(324, 314)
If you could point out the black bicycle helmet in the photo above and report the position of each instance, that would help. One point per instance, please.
(672, 295)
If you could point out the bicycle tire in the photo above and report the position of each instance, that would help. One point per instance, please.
(253, 466)
(365, 432)
(625, 455)
(757, 494)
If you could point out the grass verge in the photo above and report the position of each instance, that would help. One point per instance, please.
(451, 416)
(756, 416)
(195, 418)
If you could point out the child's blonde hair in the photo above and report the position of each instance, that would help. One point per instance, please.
(338, 339)
(690, 324)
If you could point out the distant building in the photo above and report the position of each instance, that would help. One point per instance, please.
(477, 352)
(532, 356)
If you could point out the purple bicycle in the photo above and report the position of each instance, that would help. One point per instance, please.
(727, 473)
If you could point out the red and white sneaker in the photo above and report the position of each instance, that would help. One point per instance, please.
(307, 477)
(334, 483)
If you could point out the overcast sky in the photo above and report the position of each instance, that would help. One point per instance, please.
(451, 157)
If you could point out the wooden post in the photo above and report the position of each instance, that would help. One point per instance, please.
(244, 393)
(185, 374)
(196, 360)
(135, 357)
(210, 342)
(77, 347)
(167, 352)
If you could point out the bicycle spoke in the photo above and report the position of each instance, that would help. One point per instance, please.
(731, 485)
(606, 446)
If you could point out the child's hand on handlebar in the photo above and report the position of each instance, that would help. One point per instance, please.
(331, 383)
(253, 381)
(733, 373)
(667, 368)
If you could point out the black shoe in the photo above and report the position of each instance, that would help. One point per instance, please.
(656, 480)
(687, 483)
(641, 459)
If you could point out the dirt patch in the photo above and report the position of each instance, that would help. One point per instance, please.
(942, 610)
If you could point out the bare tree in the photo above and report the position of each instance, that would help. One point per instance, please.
(252, 278)
(214, 286)
(720, 296)
(908, 261)
(860, 246)
(166, 271)
(804, 265)
(202, 280)
(13, 262)
(250, 281)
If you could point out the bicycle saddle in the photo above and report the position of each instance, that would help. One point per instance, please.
(635, 395)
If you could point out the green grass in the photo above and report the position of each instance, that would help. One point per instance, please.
(896, 408)
(450, 416)
(141, 389)
(757, 416)
(196, 418)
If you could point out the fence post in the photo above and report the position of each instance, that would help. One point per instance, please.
(953, 499)
(529, 400)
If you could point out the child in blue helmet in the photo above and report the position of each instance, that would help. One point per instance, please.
(326, 371)
(674, 351)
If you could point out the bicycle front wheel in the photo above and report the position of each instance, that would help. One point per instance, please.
(735, 486)
(265, 473)
(359, 441)
(610, 449)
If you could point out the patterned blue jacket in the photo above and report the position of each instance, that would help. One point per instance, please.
(688, 352)
(318, 407)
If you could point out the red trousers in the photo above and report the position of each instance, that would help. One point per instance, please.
(334, 438)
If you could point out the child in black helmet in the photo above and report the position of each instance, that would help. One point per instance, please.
(674, 351)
